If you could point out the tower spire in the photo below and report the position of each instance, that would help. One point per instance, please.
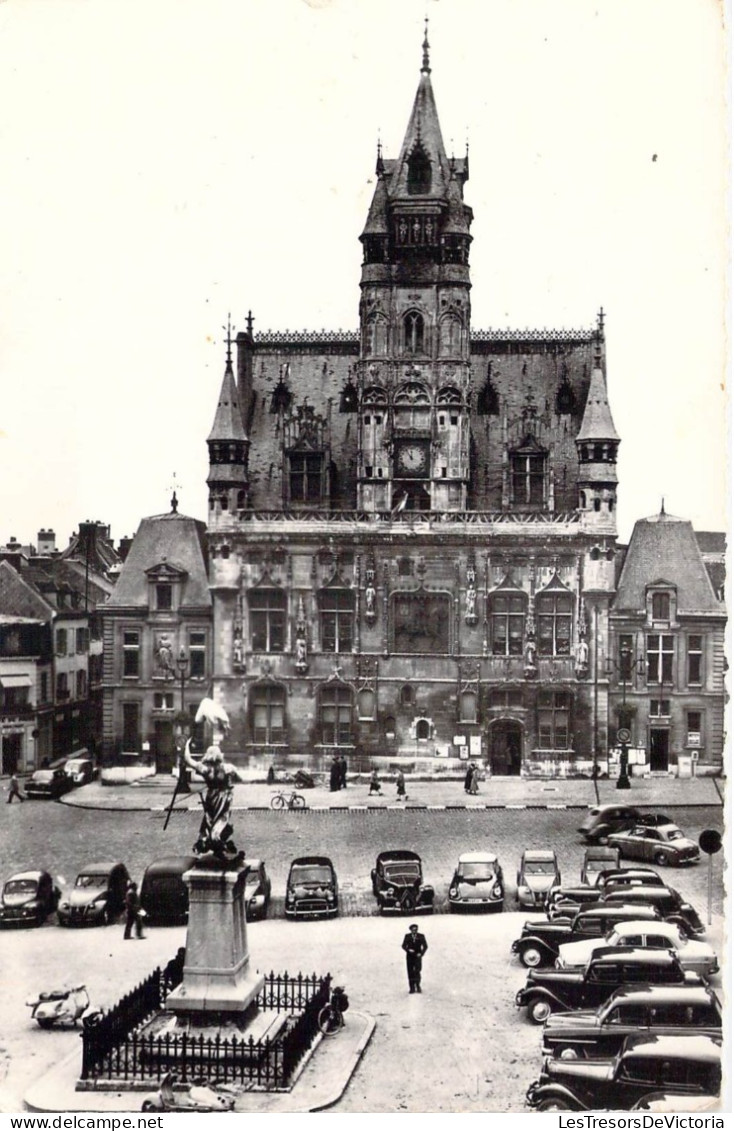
(426, 67)
(228, 330)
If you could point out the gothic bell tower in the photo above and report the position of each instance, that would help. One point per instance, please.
(413, 370)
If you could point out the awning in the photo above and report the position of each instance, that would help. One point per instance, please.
(15, 681)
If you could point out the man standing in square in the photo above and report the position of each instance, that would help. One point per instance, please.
(415, 946)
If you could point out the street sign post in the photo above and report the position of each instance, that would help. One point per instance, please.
(710, 843)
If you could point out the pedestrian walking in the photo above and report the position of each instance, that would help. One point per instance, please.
(415, 946)
(14, 789)
(400, 783)
(467, 778)
(342, 772)
(375, 786)
(133, 912)
(334, 775)
(474, 784)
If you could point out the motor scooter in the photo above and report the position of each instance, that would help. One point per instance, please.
(197, 1097)
(60, 1007)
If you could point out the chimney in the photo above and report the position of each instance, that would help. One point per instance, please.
(46, 543)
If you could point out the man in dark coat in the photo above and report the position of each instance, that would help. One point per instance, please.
(342, 772)
(415, 946)
(334, 775)
(133, 915)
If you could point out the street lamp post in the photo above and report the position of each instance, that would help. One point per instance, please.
(625, 668)
(182, 666)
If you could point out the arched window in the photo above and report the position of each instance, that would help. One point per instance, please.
(423, 730)
(376, 336)
(366, 703)
(335, 715)
(507, 612)
(413, 332)
(419, 171)
(488, 401)
(406, 695)
(267, 713)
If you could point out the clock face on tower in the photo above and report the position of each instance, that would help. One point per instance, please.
(411, 459)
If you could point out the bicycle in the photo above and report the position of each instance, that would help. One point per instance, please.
(331, 1016)
(283, 800)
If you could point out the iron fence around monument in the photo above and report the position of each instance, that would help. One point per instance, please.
(122, 1044)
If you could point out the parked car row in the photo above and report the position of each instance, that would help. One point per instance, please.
(54, 782)
(618, 978)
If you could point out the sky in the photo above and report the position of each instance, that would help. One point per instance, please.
(167, 162)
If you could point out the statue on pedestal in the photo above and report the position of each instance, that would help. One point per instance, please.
(581, 662)
(216, 831)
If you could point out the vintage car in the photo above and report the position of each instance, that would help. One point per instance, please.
(27, 899)
(397, 882)
(537, 874)
(80, 770)
(312, 889)
(541, 940)
(257, 890)
(666, 900)
(51, 783)
(601, 820)
(612, 877)
(678, 1065)
(694, 955)
(598, 858)
(663, 844)
(564, 902)
(551, 991)
(653, 1010)
(164, 896)
(98, 896)
(477, 883)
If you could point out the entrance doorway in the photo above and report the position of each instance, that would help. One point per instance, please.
(12, 747)
(505, 747)
(164, 747)
(659, 749)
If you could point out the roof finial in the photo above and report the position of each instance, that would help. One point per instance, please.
(228, 329)
(426, 68)
(600, 321)
(380, 165)
(662, 507)
(249, 322)
(174, 497)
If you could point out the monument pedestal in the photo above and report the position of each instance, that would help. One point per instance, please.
(216, 978)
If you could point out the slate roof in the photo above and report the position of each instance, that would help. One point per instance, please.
(18, 598)
(597, 423)
(424, 130)
(664, 546)
(228, 418)
(173, 538)
(55, 576)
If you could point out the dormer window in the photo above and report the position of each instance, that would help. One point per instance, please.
(419, 172)
(164, 597)
(661, 606)
(305, 477)
(528, 478)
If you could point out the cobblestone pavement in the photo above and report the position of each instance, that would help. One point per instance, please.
(62, 839)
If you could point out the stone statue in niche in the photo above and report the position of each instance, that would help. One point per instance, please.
(301, 654)
(164, 657)
(370, 596)
(238, 651)
(470, 600)
(530, 658)
(581, 663)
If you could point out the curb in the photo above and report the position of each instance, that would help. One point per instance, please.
(339, 1091)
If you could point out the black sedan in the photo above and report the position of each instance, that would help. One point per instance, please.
(27, 899)
(312, 889)
(48, 783)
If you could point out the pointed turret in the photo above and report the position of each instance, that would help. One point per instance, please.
(597, 443)
(227, 443)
